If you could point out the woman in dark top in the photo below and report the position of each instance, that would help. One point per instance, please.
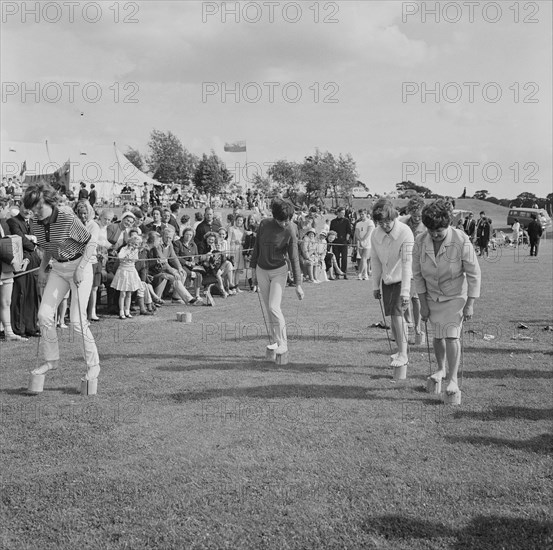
(276, 241)
(64, 240)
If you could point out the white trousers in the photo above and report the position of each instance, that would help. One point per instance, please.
(59, 282)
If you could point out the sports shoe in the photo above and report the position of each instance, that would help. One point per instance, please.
(282, 349)
(360, 277)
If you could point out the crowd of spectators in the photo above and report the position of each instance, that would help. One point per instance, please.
(155, 256)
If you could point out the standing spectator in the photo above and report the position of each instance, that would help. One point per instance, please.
(208, 225)
(392, 243)
(535, 231)
(64, 240)
(92, 196)
(85, 213)
(24, 306)
(483, 234)
(7, 268)
(174, 208)
(470, 227)
(362, 241)
(145, 194)
(236, 236)
(516, 232)
(342, 226)
(83, 193)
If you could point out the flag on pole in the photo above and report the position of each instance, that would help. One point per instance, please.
(236, 147)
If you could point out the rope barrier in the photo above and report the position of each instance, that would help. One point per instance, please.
(187, 257)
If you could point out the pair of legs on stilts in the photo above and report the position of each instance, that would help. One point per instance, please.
(60, 280)
(271, 284)
(447, 349)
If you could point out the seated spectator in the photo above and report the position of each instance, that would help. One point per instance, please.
(156, 224)
(215, 263)
(187, 254)
(308, 256)
(185, 223)
(161, 271)
(333, 271)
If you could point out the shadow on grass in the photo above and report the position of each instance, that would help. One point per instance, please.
(542, 444)
(69, 390)
(283, 391)
(505, 413)
(504, 351)
(230, 362)
(508, 373)
(482, 533)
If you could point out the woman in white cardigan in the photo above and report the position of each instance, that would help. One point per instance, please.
(447, 279)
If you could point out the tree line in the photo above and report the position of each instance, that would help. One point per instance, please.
(316, 177)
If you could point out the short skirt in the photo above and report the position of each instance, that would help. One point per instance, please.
(446, 317)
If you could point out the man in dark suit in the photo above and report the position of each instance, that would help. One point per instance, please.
(483, 234)
(208, 225)
(24, 306)
(535, 231)
(92, 196)
(342, 226)
(469, 226)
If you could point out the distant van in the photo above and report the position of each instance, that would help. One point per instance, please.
(360, 193)
(523, 216)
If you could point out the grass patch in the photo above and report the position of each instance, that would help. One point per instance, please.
(196, 441)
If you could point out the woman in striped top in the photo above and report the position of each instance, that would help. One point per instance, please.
(70, 247)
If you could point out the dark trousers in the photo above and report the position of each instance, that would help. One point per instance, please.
(24, 305)
(341, 253)
(534, 246)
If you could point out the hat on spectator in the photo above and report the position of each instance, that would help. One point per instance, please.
(128, 215)
(323, 233)
(210, 234)
(310, 230)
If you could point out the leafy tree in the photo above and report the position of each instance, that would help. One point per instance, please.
(286, 176)
(525, 200)
(169, 161)
(344, 177)
(135, 158)
(211, 175)
(316, 174)
(481, 195)
(261, 184)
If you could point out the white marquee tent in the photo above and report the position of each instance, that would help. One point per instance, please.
(105, 166)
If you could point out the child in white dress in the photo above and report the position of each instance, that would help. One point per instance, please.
(126, 279)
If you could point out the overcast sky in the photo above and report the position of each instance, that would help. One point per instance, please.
(361, 69)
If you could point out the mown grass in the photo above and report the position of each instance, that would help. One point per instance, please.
(196, 441)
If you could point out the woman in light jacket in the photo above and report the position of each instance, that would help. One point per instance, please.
(447, 279)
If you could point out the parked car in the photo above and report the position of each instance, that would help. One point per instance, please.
(360, 193)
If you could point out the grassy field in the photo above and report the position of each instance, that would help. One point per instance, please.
(195, 441)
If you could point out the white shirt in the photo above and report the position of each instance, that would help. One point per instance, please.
(392, 257)
(363, 231)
